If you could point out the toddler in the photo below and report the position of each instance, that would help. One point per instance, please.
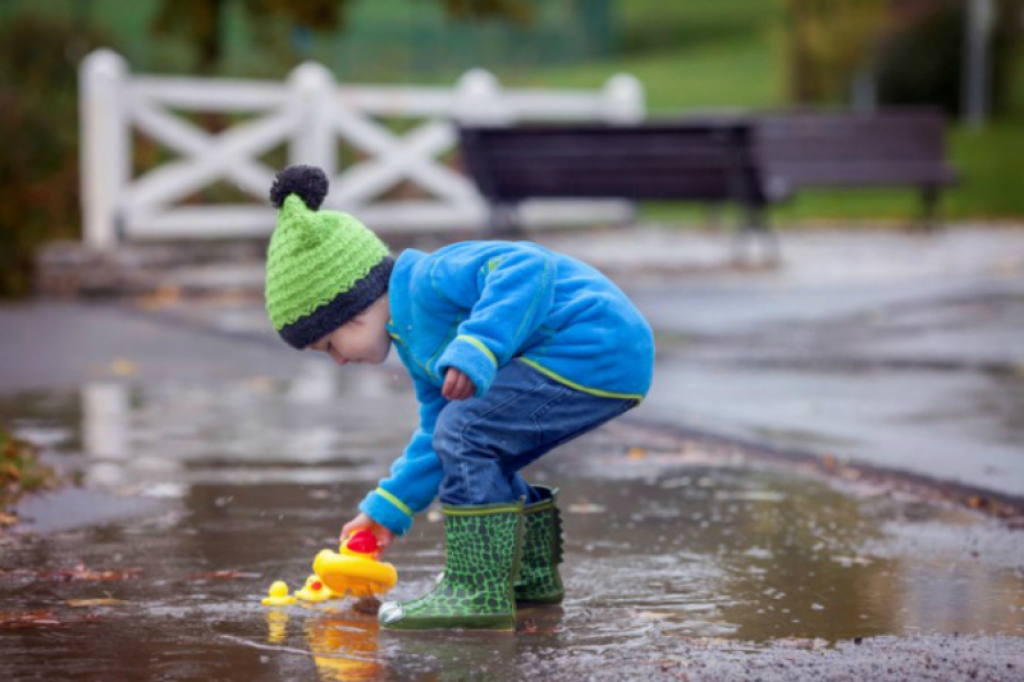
(513, 350)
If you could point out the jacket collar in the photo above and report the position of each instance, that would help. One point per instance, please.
(399, 296)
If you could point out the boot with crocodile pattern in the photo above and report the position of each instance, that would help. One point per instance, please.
(539, 581)
(482, 553)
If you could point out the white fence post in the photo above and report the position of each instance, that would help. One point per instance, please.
(105, 144)
(314, 143)
(478, 99)
(623, 99)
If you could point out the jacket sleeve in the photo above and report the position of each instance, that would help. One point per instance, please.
(514, 292)
(415, 476)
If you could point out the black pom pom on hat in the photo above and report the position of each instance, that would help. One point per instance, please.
(309, 183)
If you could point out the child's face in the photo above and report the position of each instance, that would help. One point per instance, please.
(364, 338)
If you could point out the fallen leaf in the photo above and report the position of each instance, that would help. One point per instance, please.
(45, 619)
(653, 615)
(123, 368)
(848, 474)
(529, 626)
(166, 294)
(586, 508)
(671, 664)
(81, 572)
(84, 603)
(260, 384)
(27, 619)
(715, 642)
(813, 644)
(10, 472)
(636, 453)
(223, 575)
(750, 495)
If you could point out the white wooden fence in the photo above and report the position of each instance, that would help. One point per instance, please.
(311, 114)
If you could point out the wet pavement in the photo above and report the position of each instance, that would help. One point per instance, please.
(197, 494)
(898, 350)
(213, 461)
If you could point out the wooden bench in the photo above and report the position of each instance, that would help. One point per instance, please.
(707, 161)
(885, 148)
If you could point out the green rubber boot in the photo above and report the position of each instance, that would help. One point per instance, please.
(539, 581)
(482, 545)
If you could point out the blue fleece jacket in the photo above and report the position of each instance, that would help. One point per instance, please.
(476, 306)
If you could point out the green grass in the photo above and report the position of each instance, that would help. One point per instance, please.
(689, 54)
(651, 25)
(992, 162)
(733, 73)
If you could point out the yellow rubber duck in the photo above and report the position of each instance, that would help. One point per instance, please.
(354, 568)
(316, 591)
(278, 595)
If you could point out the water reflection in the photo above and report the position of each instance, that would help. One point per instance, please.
(150, 439)
(277, 626)
(344, 648)
(343, 645)
(662, 548)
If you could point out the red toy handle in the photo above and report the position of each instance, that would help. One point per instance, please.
(362, 541)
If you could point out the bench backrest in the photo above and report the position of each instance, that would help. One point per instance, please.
(887, 147)
(700, 161)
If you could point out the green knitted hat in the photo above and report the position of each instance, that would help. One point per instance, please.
(323, 267)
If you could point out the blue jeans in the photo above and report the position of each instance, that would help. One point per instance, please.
(484, 442)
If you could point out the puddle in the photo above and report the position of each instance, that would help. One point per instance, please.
(221, 488)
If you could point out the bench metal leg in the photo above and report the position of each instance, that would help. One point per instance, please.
(715, 216)
(756, 230)
(930, 202)
(505, 221)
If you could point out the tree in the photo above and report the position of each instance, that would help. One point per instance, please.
(914, 49)
(39, 181)
(202, 22)
(827, 42)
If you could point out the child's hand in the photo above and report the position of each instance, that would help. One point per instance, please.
(383, 535)
(457, 386)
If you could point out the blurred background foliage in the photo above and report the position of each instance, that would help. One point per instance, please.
(826, 44)
(690, 55)
(221, 34)
(920, 60)
(20, 471)
(909, 51)
(39, 193)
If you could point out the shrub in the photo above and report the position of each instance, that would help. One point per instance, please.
(20, 470)
(39, 125)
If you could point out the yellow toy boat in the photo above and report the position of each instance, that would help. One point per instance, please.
(316, 591)
(278, 595)
(354, 568)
